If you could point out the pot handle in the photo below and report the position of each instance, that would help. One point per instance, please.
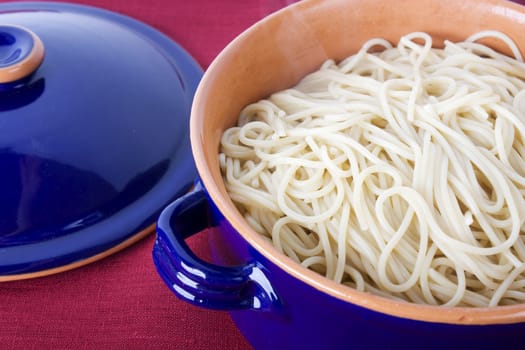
(22, 53)
(195, 280)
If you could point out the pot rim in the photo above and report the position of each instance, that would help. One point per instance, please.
(420, 312)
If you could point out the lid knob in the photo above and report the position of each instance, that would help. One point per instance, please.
(21, 53)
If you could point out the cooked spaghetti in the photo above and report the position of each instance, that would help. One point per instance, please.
(399, 172)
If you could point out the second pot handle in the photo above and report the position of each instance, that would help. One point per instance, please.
(195, 280)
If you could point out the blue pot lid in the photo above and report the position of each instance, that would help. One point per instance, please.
(94, 141)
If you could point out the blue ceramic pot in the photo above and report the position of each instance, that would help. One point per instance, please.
(276, 310)
(275, 302)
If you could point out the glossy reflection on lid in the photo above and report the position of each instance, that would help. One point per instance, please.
(96, 141)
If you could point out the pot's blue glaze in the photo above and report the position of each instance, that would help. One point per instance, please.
(297, 316)
(90, 143)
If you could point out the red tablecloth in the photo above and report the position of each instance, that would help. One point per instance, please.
(120, 302)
